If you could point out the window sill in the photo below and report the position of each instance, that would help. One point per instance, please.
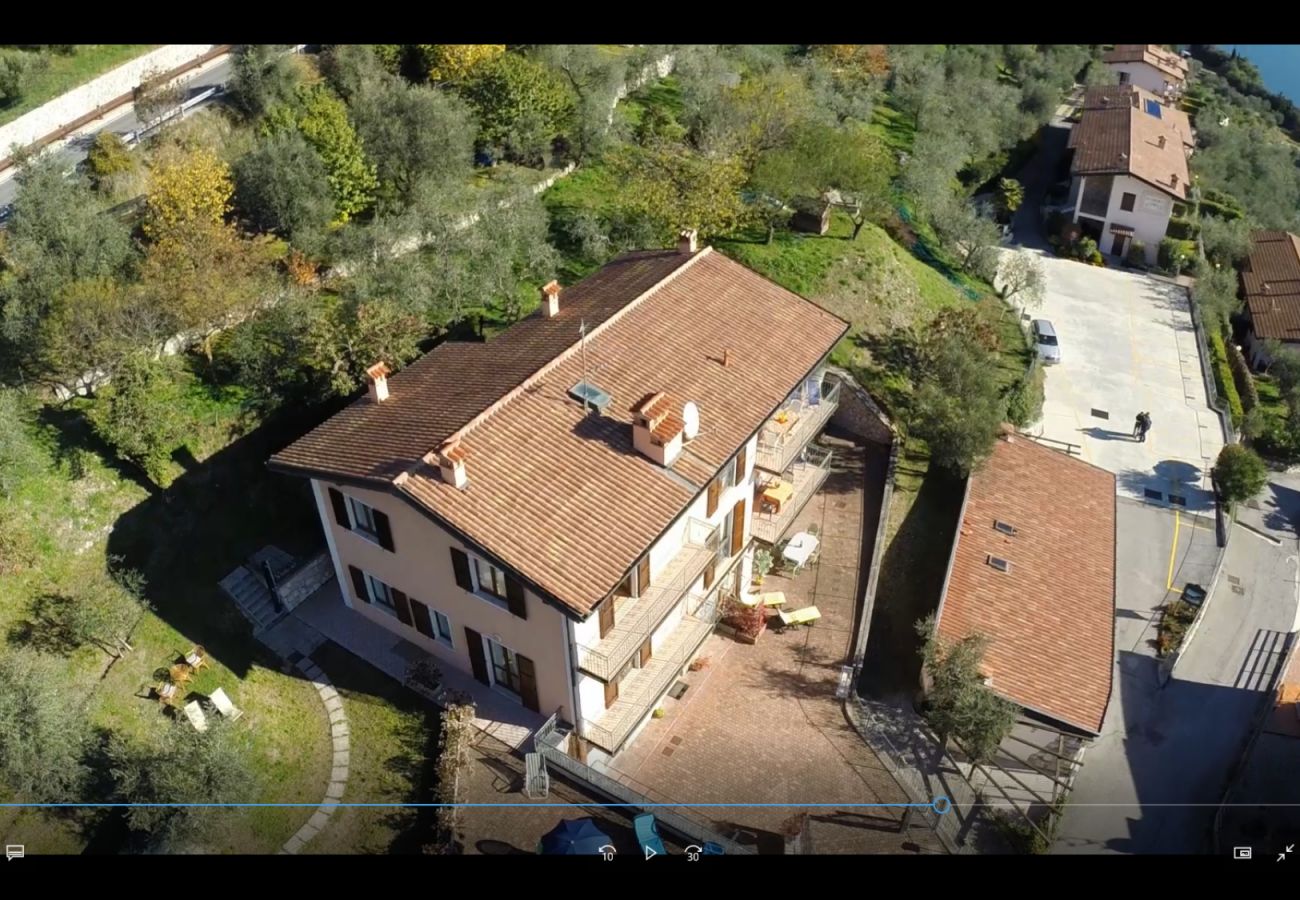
(507, 693)
(366, 536)
(492, 599)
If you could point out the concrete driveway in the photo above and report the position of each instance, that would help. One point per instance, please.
(1127, 345)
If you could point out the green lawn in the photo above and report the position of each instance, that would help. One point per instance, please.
(63, 73)
(895, 127)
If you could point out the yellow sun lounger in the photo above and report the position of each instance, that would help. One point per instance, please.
(805, 616)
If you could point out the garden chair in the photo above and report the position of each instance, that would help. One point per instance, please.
(180, 673)
(224, 705)
(647, 833)
(168, 693)
(197, 658)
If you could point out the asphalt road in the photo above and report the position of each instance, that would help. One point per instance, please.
(74, 151)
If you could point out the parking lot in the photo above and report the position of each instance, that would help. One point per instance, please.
(1127, 346)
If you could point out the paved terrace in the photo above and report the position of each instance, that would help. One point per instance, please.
(761, 724)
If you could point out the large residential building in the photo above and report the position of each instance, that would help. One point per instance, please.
(1033, 569)
(1270, 287)
(1149, 66)
(1128, 170)
(563, 510)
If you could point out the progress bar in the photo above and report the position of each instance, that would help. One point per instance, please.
(939, 805)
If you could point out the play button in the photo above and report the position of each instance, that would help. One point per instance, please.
(649, 852)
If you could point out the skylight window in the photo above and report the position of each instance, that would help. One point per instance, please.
(587, 393)
(999, 563)
(1004, 527)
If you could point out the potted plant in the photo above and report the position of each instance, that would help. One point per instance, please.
(762, 565)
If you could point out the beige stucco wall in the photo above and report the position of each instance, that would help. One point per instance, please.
(421, 567)
(1145, 76)
(1149, 218)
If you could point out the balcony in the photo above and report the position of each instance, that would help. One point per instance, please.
(806, 476)
(641, 687)
(635, 619)
(779, 442)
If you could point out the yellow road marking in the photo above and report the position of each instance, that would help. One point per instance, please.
(1169, 579)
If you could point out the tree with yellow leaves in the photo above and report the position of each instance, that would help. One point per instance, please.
(185, 189)
(453, 62)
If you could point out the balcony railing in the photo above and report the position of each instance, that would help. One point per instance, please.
(778, 445)
(636, 619)
(807, 476)
(642, 687)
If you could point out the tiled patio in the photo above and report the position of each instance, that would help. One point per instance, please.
(761, 723)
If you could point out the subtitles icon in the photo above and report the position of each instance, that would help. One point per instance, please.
(1241, 852)
(15, 851)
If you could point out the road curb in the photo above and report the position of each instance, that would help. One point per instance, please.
(1259, 532)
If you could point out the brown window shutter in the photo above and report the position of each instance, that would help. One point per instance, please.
(611, 693)
(403, 605)
(528, 683)
(477, 658)
(515, 597)
(741, 462)
(423, 621)
(646, 650)
(606, 613)
(460, 564)
(710, 573)
(737, 527)
(359, 584)
(715, 489)
(384, 530)
(340, 508)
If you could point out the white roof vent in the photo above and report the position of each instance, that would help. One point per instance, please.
(690, 420)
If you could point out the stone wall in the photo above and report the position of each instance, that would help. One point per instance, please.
(858, 413)
(66, 108)
(305, 580)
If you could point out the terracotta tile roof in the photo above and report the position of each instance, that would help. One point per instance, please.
(1167, 61)
(1112, 96)
(1125, 141)
(559, 496)
(1270, 282)
(1050, 619)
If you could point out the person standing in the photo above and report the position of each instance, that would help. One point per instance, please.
(1145, 426)
(1137, 425)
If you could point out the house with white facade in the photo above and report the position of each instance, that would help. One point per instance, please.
(1149, 66)
(1128, 170)
(562, 511)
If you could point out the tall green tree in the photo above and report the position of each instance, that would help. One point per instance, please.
(520, 104)
(282, 185)
(323, 120)
(594, 77)
(957, 404)
(969, 233)
(264, 75)
(1239, 473)
(43, 733)
(92, 607)
(676, 187)
(136, 415)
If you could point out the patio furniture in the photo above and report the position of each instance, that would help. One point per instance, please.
(168, 693)
(711, 848)
(197, 658)
(772, 598)
(777, 494)
(647, 834)
(224, 705)
(574, 837)
(194, 713)
(800, 549)
(805, 616)
(180, 673)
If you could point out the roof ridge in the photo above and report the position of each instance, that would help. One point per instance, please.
(561, 357)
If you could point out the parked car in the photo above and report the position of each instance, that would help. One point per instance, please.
(1049, 350)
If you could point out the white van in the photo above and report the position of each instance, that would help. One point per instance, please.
(1049, 351)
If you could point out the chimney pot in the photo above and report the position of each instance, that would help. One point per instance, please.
(1160, 142)
(551, 298)
(377, 376)
(688, 241)
(726, 359)
(451, 464)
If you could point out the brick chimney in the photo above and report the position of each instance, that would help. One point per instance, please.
(1160, 142)
(1173, 179)
(688, 241)
(658, 429)
(377, 377)
(451, 463)
(551, 298)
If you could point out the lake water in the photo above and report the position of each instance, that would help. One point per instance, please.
(1278, 63)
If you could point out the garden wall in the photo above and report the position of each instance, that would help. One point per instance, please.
(305, 581)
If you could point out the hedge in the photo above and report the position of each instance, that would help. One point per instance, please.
(1223, 381)
(1218, 210)
(1171, 248)
(1241, 376)
(1183, 229)
(1223, 198)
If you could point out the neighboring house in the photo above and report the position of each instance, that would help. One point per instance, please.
(561, 511)
(1270, 287)
(1128, 170)
(1033, 569)
(1116, 96)
(1151, 67)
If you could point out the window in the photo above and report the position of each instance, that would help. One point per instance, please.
(363, 518)
(491, 580)
(443, 625)
(380, 593)
(998, 563)
(1004, 527)
(429, 622)
(1123, 77)
(505, 667)
(1128, 201)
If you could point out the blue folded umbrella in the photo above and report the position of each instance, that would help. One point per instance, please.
(574, 837)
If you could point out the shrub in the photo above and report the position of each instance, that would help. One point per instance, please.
(1176, 256)
(1084, 248)
(1239, 473)
(1218, 210)
(1137, 253)
(109, 156)
(1223, 380)
(1242, 378)
(1182, 229)
(899, 230)
(1096, 259)
(1223, 199)
(1025, 399)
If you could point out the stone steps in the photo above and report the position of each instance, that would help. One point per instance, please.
(252, 596)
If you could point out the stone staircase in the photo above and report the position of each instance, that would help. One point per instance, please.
(247, 586)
